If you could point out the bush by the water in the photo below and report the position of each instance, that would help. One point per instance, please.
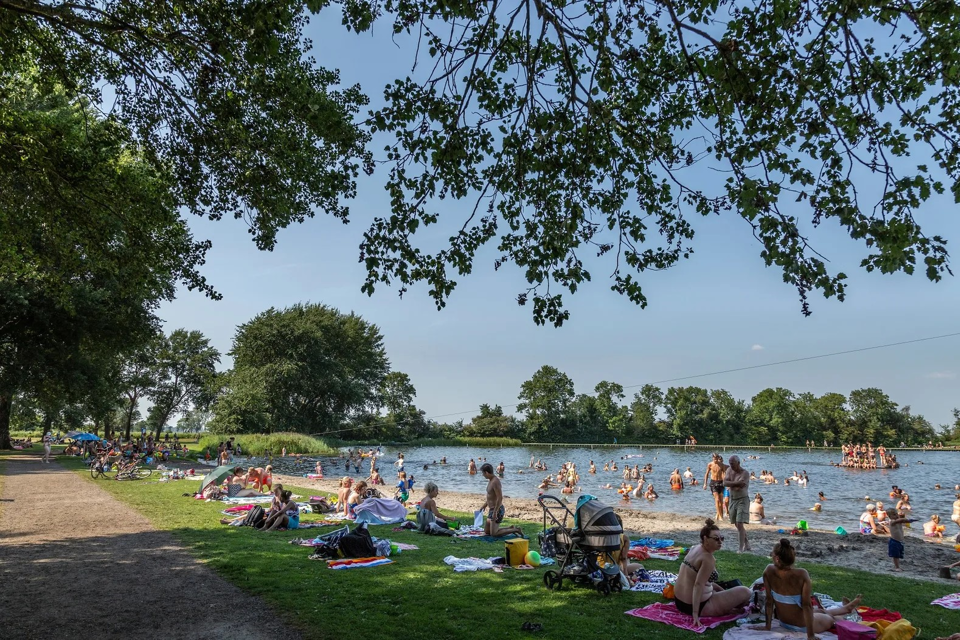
(259, 443)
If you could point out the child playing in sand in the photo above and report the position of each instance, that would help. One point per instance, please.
(895, 544)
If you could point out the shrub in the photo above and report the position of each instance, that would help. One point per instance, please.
(259, 443)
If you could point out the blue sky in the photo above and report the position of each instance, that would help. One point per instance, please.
(721, 309)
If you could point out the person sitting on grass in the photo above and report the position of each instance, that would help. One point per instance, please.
(788, 593)
(357, 495)
(287, 515)
(696, 592)
(623, 556)
(429, 505)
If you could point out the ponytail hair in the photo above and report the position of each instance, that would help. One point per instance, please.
(785, 552)
(709, 525)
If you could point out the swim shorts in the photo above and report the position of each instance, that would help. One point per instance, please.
(739, 510)
(498, 516)
(716, 486)
(895, 548)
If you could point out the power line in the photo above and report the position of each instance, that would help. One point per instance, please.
(754, 366)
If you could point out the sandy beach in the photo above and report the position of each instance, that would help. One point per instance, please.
(856, 551)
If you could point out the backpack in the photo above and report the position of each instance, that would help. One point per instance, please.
(255, 517)
(357, 544)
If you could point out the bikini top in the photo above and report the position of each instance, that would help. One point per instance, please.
(714, 575)
(782, 599)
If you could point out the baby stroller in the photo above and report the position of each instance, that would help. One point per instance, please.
(583, 550)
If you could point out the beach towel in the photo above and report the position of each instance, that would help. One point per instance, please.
(872, 615)
(319, 523)
(651, 543)
(380, 511)
(951, 601)
(403, 546)
(358, 563)
(653, 581)
(757, 632)
(250, 500)
(468, 564)
(668, 614)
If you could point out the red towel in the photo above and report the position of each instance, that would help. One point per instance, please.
(872, 615)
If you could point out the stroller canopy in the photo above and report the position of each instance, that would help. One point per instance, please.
(598, 525)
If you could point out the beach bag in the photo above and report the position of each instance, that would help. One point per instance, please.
(548, 543)
(254, 518)
(357, 544)
(847, 630)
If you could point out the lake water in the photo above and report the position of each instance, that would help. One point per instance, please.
(844, 488)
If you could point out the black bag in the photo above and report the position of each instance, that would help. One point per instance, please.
(255, 517)
(357, 544)
(730, 584)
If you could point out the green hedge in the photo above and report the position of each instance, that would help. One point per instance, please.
(259, 443)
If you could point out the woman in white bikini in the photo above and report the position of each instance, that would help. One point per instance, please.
(788, 594)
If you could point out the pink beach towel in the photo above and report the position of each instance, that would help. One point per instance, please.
(951, 601)
(668, 614)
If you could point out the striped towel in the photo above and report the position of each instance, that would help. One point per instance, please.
(358, 563)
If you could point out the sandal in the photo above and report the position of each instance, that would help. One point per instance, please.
(531, 626)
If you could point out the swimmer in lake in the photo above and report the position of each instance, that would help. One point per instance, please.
(651, 493)
(817, 507)
(821, 497)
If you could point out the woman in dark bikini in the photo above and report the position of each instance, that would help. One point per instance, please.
(696, 592)
(788, 592)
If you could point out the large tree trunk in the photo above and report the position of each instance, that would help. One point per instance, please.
(6, 404)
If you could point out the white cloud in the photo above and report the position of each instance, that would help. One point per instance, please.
(941, 375)
(756, 347)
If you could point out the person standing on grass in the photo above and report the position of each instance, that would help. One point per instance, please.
(46, 447)
(494, 505)
(737, 479)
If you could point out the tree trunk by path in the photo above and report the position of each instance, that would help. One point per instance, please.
(5, 407)
(69, 548)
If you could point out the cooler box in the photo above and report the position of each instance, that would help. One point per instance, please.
(515, 551)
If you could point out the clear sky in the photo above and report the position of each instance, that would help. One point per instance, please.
(722, 309)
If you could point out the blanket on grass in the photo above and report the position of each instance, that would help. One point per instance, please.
(469, 564)
(662, 553)
(653, 581)
(358, 563)
(951, 601)
(651, 543)
(380, 511)
(757, 632)
(668, 614)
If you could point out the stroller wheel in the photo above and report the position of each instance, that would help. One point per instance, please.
(552, 580)
(603, 588)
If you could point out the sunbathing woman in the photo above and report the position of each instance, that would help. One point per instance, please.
(357, 495)
(696, 592)
(788, 593)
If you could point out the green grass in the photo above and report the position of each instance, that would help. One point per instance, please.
(420, 597)
(259, 443)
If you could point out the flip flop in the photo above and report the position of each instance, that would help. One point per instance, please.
(531, 626)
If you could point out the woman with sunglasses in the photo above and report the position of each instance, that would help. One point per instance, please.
(696, 592)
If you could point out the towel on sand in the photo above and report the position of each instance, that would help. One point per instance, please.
(668, 614)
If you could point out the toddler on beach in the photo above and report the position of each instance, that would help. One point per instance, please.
(895, 544)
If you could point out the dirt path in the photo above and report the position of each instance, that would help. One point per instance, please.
(77, 563)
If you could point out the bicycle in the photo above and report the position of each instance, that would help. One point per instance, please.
(136, 472)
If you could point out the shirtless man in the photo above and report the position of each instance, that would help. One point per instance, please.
(494, 505)
(472, 467)
(713, 480)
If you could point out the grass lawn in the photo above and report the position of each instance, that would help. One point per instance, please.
(420, 597)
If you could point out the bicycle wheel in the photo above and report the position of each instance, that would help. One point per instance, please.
(140, 474)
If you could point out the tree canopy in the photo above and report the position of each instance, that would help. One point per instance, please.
(578, 133)
(307, 368)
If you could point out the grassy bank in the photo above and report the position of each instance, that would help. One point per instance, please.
(259, 444)
(419, 596)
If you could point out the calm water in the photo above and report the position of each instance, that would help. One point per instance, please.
(845, 489)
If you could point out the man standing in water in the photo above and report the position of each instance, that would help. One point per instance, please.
(494, 505)
(713, 480)
(737, 479)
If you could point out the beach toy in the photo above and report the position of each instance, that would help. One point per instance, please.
(394, 548)
(532, 558)
(802, 525)
(841, 531)
(515, 551)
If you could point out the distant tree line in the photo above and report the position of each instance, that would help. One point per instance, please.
(312, 369)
